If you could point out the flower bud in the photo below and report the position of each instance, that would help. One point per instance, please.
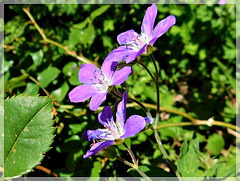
(149, 49)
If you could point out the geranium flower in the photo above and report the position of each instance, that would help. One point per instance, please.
(96, 82)
(222, 2)
(113, 134)
(134, 44)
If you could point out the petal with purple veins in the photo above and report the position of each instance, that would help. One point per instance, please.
(108, 68)
(98, 147)
(162, 27)
(134, 125)
(127, 36)
(121, 114)
(88, 73)
(106, 117)
(103, 134)
(82, 92)
(97, 100)
(121, 75)
(148, 21)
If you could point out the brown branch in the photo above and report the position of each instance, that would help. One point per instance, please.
(46, 170)
(45, 39)
(193, 120)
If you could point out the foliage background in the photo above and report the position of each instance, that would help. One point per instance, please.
(197, 57)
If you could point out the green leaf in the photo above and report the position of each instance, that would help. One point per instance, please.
(31, 89)
(28, 133)
(96, 169)
(69, 68)
(74, 80)
(99, 11)
(48, 75)
(227, 73)
(61, 92)
(189, 158)
(37, 57)
(215, 144)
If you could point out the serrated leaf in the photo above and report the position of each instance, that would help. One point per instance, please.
(189, 159)
(28, 133)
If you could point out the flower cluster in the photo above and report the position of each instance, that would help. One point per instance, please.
(96, 82)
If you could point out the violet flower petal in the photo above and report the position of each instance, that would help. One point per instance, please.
(148, 21)
(162, 27)
(82, 92)
(97, 147)
(121, 75)
(134, 125)
(132, 55)
(106, 117)
(97, 100)
(117, 54)
(88, 73)
(127, 36)
(222, 2)
(104, 134)
(121, 114)
(108, 68)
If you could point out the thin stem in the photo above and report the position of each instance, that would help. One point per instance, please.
(135, 167)
(119, 95)
(131, 154)
(165, 155)
(139, 103)
(126, 162)
(136, 163)
(157, 89)
(193, 120)
(157, 137)
(144, 66)
(46, 170)
(44, 37)
(38, 83)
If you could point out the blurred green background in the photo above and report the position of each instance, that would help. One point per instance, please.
(197, 57)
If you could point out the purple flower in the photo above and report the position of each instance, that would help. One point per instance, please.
(114, 133)
(134, 44)
(96, 82)
(222, 2)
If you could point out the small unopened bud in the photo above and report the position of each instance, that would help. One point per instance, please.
(149, 49)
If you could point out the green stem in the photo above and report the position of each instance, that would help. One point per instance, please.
(136, 163)
(157, 89)
(44, 37)
(119, 95)
(165, 155)
(135, 167)
(157, 137)
(144, 66)
(131, 154)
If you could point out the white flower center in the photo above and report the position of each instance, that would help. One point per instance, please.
(100, 81)
(138, 42)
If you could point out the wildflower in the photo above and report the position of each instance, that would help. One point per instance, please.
(114, 133)
(133, 44)
(222, 2)
(96, 82)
